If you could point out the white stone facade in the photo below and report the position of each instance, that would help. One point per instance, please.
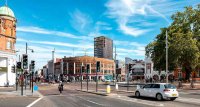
(7, 77)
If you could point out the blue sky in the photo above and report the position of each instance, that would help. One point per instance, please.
(72, 24)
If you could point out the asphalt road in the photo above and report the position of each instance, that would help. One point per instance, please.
(72, 98)
(12, 101)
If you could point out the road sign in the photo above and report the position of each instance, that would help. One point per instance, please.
(35, 88)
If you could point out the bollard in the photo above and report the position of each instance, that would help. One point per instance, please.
(108, 89)
(116, 86)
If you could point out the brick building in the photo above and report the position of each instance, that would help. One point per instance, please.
(71, 67)
(7, 45)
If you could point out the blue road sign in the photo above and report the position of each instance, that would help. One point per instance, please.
(35, 88)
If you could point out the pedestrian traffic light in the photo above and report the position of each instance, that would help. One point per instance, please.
(25, 61)
(13, 69)
(19, 65)
(88, 68)
(98, 66)
(32, 65)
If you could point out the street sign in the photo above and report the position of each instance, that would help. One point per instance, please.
(3, 69)
(35, 88)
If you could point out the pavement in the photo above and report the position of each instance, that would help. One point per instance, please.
(9, 97)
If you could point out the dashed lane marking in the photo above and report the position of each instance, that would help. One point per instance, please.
(91, 101)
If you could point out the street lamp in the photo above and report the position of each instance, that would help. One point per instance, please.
(192, 82)
(166, 57)
(16, 83)
(53, 51)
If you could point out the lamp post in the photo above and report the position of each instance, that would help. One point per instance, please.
(166, 57)
(16, 83)
(192, 82)
(27, 64)
(53, 63)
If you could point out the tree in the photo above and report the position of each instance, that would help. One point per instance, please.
(183, 42)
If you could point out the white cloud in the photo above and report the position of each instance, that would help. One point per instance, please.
(102, 26)
(42, 54)
(128, 43)
(64, 44)
(124, 11)
(38, 30)
(80, 21)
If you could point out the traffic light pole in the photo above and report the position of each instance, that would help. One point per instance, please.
(24, 69)
(32, 82)
(128, 79)
(97, 70)
(81, 77)
(22, 83)
(16, 77)
(97, 80)
(87, 75)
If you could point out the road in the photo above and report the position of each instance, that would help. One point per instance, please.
(15, 101)
(72, 98)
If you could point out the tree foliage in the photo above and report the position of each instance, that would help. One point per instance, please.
(183, 42)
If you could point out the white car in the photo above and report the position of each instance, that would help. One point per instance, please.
(159, 91)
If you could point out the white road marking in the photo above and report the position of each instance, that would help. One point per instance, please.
(95, 102)
(91, 101)
(41, 96)
(30, 105)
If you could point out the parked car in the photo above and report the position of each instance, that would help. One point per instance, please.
(159, 91)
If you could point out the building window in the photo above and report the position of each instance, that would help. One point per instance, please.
(8, 45)
(11, 45)
(11, 32)
(179, 74)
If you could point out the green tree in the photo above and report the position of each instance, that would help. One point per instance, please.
(183, 42)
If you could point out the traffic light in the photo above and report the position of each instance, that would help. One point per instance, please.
(98, 66)
(13, 69)
(129, 67)
(25, 61)
(88, 68)
(32, 65)
(83, 68)
(19, 65)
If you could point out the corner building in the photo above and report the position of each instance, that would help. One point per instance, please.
(72, 67)
(7, 45)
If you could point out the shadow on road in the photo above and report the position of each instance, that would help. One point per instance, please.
(51, 94)
(145, 98)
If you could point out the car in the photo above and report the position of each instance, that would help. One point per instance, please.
(159, 91)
